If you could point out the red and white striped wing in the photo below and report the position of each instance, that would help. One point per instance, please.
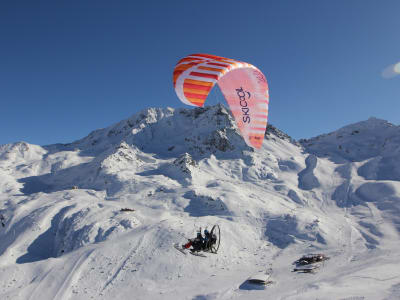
(243, 86)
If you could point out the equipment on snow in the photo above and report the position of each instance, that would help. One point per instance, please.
(261, 278)
(197, 254)
(126, 209)
(180, 249)
(310, 269)
(311, 259)
(208, 243)
(309, 263)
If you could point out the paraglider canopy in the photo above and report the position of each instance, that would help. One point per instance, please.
(244, 87)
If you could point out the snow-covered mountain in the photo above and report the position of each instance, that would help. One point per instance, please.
(97, 218)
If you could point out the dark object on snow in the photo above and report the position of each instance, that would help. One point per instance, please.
(208, 243)
(310, 269)
(197, 254)
(310, 259)
(260, 282)
(127, 209)
(180, 249)
(2, 220)
(261, 278)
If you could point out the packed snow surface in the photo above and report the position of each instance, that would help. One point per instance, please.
(98, 218)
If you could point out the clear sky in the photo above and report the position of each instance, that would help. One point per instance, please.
(70, 67)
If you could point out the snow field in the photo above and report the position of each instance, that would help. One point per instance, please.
(97, 218)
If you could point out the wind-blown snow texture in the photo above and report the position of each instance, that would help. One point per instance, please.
(97, 218)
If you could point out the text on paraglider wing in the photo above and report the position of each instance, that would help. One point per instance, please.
(260, 77)
(243, 103)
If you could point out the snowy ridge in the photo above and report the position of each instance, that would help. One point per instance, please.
(98, 217)
(169, 133)
(367, 139)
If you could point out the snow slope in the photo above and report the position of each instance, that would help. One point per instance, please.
(97, 218)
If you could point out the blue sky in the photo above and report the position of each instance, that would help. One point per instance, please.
(70, 67)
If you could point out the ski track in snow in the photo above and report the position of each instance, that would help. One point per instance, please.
(121, 266)
(65, 273)
(72, 276)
